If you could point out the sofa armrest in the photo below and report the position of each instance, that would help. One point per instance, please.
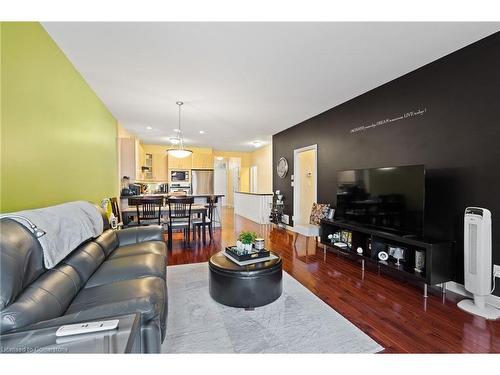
(133, 235)
(34, 336)
(78, 317)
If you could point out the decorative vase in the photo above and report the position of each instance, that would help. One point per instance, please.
(419, 261)
(247, 247)
(239, 245)
(113, 221)
(259, 244)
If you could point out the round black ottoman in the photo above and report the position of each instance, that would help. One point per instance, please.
(244, 286)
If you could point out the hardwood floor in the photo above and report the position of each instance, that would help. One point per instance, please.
(393, 312)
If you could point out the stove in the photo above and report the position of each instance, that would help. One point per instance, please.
(179, 187)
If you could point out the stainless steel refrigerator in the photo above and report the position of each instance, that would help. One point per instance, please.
(202, 181)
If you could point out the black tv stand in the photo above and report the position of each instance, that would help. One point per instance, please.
(439, 255)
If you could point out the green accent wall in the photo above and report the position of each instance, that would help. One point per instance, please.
(58, 140)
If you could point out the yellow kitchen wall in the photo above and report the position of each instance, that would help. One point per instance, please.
(244, 168)
(262, 158)
(153, 149)
(58, 140)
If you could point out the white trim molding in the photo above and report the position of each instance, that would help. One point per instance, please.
(297, 177)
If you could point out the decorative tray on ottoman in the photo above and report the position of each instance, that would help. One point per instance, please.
(254, 253)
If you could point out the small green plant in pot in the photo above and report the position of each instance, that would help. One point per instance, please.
(247, 239)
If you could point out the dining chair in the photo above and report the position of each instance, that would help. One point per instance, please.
(200, 223)
(179, 217)
(216, 219)
(148, 209)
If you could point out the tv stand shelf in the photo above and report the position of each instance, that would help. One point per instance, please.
(439, 255)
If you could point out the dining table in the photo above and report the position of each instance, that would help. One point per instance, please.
(130, 212)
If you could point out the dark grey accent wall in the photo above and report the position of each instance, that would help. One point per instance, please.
(457, 138)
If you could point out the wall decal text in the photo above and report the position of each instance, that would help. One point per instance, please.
(388, 121)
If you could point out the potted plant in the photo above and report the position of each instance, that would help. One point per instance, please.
(247, 239)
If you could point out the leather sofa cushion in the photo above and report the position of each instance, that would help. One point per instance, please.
(146, 295)
(151, 247)
(128, 268)
(21, 260)
(85, 260)
(108, 241)
(47, 297)
(140, 234)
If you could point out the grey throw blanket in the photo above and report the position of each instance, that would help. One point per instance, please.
(66, 225)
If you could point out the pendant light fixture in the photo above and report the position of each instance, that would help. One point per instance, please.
(179, 151)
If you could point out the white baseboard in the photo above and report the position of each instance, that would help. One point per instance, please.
(460, 289)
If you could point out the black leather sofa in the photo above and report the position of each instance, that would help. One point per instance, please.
(117, 273)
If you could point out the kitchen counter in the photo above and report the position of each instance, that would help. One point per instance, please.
(247, 192)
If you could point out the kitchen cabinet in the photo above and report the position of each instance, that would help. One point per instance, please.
(148, 173)
(160, 167)
(131, 159)
(181, 164)
(159, 163)
(140, 161)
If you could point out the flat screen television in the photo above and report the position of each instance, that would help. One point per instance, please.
(389, 198)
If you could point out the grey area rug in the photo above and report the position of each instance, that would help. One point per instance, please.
(297, 322)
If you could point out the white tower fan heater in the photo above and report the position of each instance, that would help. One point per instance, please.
(477, 262)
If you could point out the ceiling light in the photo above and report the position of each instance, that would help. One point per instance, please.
(180, 152)
(174, 140)
(149, 127)
(257, 143)
(202, 132)
(219, 158)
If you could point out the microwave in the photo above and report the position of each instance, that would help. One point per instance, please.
(179, 176)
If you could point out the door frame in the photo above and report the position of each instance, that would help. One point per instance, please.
(297, 178)
(254, 180)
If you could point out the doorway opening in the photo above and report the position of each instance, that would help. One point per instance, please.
(305, 186)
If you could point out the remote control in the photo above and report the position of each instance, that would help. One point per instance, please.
(76, 329)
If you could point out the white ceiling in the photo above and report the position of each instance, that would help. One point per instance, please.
(245, 81)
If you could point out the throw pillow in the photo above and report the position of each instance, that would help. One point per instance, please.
(318, 212)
